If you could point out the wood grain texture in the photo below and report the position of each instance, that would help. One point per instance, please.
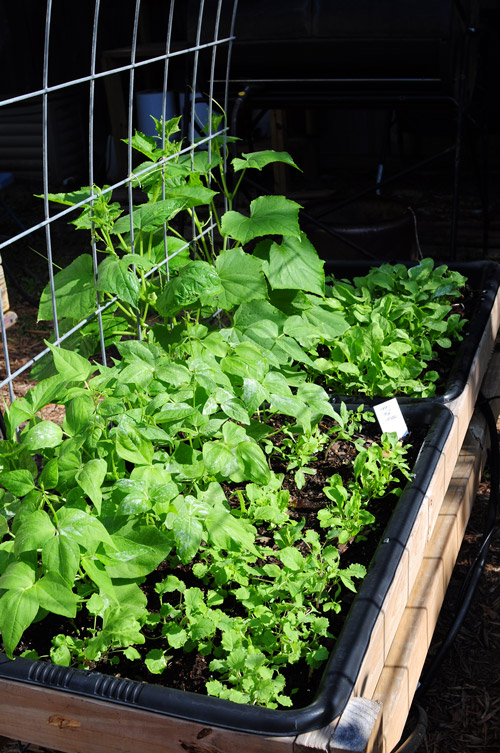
(356, 731)
(74, 724)
(359, 728)
(406, 658)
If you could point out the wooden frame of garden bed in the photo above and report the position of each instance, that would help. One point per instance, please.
(375, 715)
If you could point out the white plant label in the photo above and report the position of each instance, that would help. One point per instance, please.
(390, 417)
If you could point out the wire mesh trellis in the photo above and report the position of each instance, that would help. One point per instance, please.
(174, 47)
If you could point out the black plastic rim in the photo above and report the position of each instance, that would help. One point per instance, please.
(345, 661)
(483, 277)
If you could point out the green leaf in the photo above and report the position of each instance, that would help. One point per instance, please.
(74, 291)
(291, 558)
(83, 528)
(70, 198)
(156, 661)
(145, 144)
(132, 653)
(196, 280)
(70, 365)
(131, 446)
(62, 555)
(78, 412)
(187, 526)
(45, 392)
(294, 264)
(254, 463)
(253, 394)
(90, 479)
(114, 277)
(18, 482)
(50, 475)
(242, 278)
(193, 196)
(224, 529)
(150, 215)
(269, 215)
(138, 553)
(330, 323)
(220, 459)
(175, 635)
(55, 595)
(97, 574)
(188, 532)
(258, 160)
(18, 609)
(18, 575)
(33, 533)
(42, 435)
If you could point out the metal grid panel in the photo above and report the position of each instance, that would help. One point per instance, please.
(202, 38)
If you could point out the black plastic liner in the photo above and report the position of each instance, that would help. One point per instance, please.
(345, 661)
(483, 277)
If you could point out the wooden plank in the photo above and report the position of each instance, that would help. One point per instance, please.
(398, 595)
(3, 289)
(399, 591)
(74, 724)
(358, 730)
(406, 658)
(9, 318)
(463, 406)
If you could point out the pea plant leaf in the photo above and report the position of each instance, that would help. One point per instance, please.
(269, 215)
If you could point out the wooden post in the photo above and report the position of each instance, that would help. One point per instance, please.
(357, 730)
(3, 288)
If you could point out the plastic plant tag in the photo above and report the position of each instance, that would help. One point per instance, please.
(390, 417)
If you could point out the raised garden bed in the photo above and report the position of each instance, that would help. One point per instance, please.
(359, 654)
(190, 400)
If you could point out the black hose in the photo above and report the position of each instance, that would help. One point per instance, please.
(417, 735)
